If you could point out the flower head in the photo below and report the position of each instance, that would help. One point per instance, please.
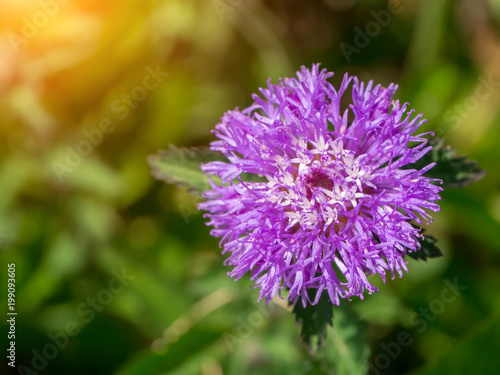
(338, 194)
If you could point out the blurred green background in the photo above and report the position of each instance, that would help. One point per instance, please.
(134, 76)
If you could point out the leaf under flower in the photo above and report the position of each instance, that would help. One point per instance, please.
(454, 170)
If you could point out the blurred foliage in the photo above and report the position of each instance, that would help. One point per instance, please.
(181, 167)
(89, 89)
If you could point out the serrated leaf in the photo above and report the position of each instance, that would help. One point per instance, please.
(181, 166)
(349, 352)
(428, 249)
(454, 170)
(314, 320)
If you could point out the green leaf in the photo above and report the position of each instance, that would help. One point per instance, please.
(181, 166)
(454, 170)
(348, 351)
(428, 249)
(314, 320)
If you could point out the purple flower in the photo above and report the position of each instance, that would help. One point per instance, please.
(339, 194)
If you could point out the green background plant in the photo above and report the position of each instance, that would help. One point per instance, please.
(67, 235)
